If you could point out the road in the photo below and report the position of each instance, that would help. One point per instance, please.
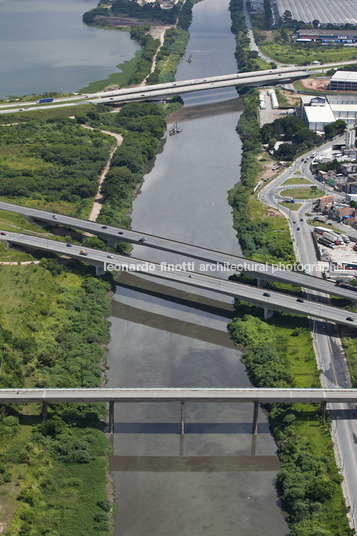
(270, 301)
(327, 344)
(114, 234)
(178, 394)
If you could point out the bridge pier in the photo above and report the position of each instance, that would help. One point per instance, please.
(323, 410)
(261, 282)
(99, 269)
(113, 243)
(111, 417)
(268, 313)
(182, 417)
(44, 411)
(255, 418)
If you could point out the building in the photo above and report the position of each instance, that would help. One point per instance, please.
(350, 140)
(344, 81)
(334, 11)
(316, 112)
(327, 36)
(323, 201)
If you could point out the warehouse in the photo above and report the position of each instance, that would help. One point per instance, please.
(327, 36)
(344, 81)
(316, 112)
(333, 11)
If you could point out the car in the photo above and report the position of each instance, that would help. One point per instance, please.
(54, 217)
(21, 110)
(3, 233)
(298, 228)
(266, 294)
(300, 300)
(294, 221)
(301, 219)
(349, 318)
(69, 245)
(142, 239)
(120, 232)
(142, 95)
(109, 256)
(104, 227)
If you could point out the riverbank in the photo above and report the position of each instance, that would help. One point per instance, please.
(279, 352)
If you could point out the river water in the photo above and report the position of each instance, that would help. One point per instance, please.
(44, 46)
(217, 480)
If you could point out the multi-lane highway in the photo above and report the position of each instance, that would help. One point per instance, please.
(327, 344)
(103, 260)
(114, 234)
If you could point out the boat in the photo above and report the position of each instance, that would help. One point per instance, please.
(175, 130)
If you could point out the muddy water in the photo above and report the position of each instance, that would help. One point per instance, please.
(216, 480)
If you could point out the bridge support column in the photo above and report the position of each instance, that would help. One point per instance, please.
(182, 417)
(99, 270)
(111, 417)
(323, 410)
(113, 243)
(255, 418)
(268, 313)
(44, 411)
(261, 283)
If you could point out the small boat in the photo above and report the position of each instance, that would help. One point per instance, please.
(175, 130)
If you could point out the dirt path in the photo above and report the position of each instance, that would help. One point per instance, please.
(97, 204)
(157, 32)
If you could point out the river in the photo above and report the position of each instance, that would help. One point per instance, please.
(217, 480)
(45, 46)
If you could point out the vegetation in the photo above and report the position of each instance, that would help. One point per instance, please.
(263, 235)
(149, 47)
(169, 56)
(296, 180)
(292, 129)
(126, 8)
(53, 474)
(279, 353)
(303, 193)
(53, 162)
(247, 60)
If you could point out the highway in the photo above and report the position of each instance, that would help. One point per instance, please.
(270, 301)
(327, 344)
(114, 234)
(179, 394)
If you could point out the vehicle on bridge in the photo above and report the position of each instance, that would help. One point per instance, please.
(41, 101)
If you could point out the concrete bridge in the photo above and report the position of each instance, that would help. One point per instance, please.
(113, 235)
(269, 301)
(182, 395)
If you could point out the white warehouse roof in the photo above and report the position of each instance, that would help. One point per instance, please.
(335, 11)
(316, 114)
(345, 76)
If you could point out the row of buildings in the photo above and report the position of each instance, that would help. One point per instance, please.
(340, 212)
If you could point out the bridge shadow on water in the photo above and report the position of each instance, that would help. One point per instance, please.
(190, 428)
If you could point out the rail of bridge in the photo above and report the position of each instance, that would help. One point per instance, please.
(114, 234)
(181, 395)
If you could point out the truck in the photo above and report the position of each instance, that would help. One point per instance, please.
(40, 101)
(329, 236)
(288, 200)
(325, 242)
(83, 252)
(346, 238)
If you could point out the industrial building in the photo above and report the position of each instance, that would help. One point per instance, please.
(320, 111)
(327, 36)
(333, 11)
(344, 81)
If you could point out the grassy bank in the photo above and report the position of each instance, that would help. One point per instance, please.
(53, 474)
(279, 353)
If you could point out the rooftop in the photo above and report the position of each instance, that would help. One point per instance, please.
(345, 76)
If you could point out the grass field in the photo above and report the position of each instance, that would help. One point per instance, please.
(296, 180)
(302, 193)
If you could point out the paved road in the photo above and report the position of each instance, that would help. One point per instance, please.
(120, 394)
(261, 271)
(327, 344)
(268, 300)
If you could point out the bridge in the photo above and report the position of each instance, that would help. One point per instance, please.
(112, 234)
(270, 301)
(182, 395)
(169, 89)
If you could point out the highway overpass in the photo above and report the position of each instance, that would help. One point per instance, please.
(113, 234)
(269, 301)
